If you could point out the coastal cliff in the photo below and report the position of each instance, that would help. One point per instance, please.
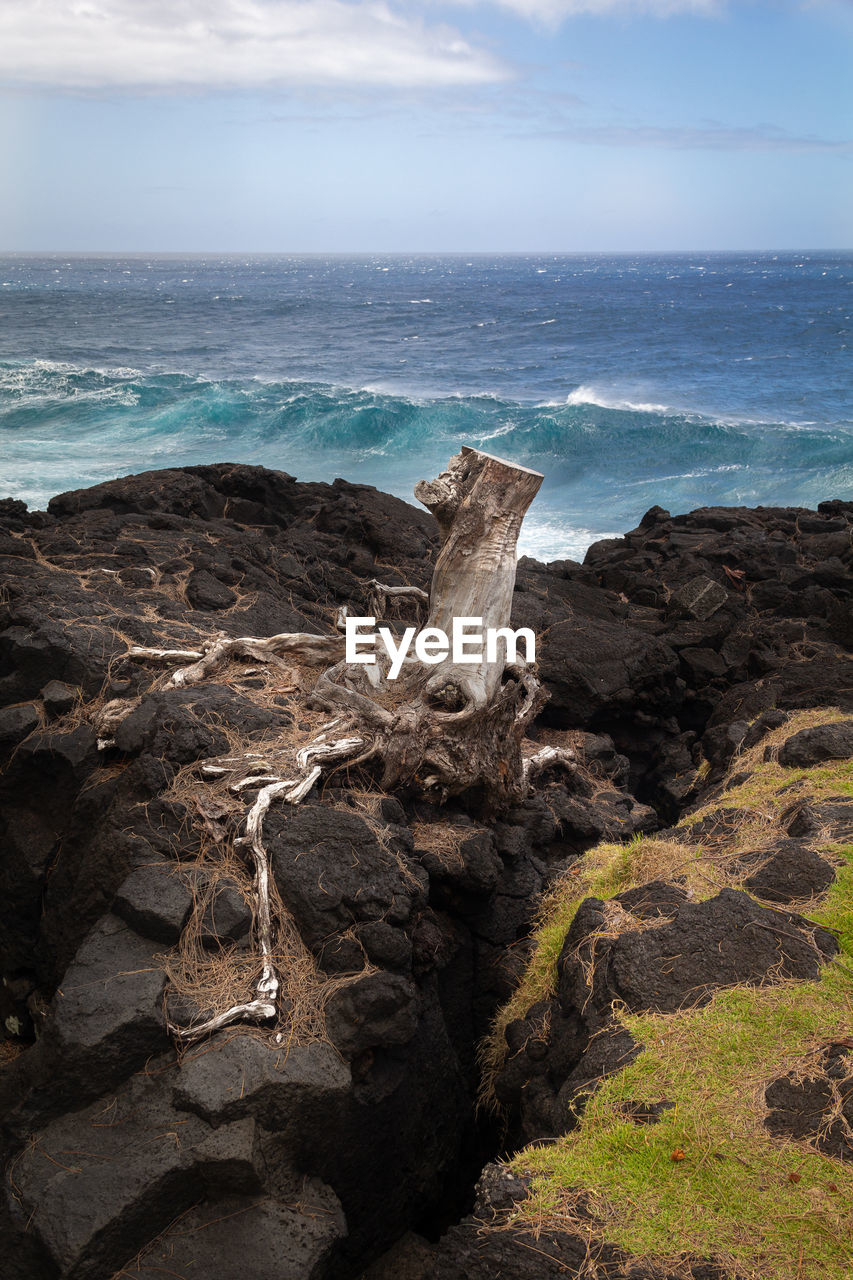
(460, 983)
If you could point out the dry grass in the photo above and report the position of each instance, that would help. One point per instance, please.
(107, 773)
(216, 978)
(9, 1050)
(366, 802)
(749, 760)
(443, 840)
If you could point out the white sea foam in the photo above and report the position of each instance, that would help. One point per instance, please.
(503, 430)
(550, 538)
(700, 474)
(604, 400)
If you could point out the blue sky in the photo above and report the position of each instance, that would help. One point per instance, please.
(347, 125)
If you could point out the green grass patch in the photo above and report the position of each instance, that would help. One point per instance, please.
(603, 872)
(767, 1209)
(763, 788)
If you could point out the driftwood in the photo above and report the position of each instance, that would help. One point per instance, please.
(442, 726)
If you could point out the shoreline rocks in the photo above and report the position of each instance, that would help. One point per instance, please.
(661, 653)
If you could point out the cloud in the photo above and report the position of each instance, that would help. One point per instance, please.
(164, 44)
(552, 12)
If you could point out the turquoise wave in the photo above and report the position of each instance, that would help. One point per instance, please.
(604, 462)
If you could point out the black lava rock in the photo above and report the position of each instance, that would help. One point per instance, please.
(813, 746)
(155, 901)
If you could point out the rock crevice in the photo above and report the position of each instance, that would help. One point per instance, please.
(312, 1153)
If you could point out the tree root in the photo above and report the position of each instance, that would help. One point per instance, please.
(292, 791)
(547, 758)
(300, 646)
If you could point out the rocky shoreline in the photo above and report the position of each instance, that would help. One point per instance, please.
(667, 655)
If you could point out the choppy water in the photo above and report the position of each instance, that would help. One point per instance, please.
(682, 380)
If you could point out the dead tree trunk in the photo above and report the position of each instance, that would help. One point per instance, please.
(454, 726)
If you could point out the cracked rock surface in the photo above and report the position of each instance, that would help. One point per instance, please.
(253, 1154)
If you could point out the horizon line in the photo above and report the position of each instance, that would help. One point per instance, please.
(403, 253)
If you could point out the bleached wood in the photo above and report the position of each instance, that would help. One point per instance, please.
(299, 646)
(479, 503)
(451, 727)
(547, 758)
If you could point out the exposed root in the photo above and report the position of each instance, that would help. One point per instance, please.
(297, 645)
(222, 981)
(256, 1011)
(292, 791)
(381, 596)
(110, 717)
(547, 758)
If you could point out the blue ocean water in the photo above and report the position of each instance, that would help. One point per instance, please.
(683, 380)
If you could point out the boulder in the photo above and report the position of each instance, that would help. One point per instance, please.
(814, 746)
(245, 1073)
(649, 901)
(725, 940)
(206, 592)
(377, 1010)
(97, 1184)
(227, 916)
(830, 819)
(278, 1241)
(788, 871)
(701, 597)
(332, 872)
(155, 900)
(815, 1103)
(17, 723)
(179, 725)
(59, 697)
(595, 670)
(106, 1019)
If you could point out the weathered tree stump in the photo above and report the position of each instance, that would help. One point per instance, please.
(452, 726)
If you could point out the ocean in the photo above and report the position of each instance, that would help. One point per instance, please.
(682, 380)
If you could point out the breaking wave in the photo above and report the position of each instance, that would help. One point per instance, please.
(605, 459)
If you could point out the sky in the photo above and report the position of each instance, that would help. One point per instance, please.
(336, 126)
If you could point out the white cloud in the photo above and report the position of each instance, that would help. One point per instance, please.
(162, 44)
(553, 11)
